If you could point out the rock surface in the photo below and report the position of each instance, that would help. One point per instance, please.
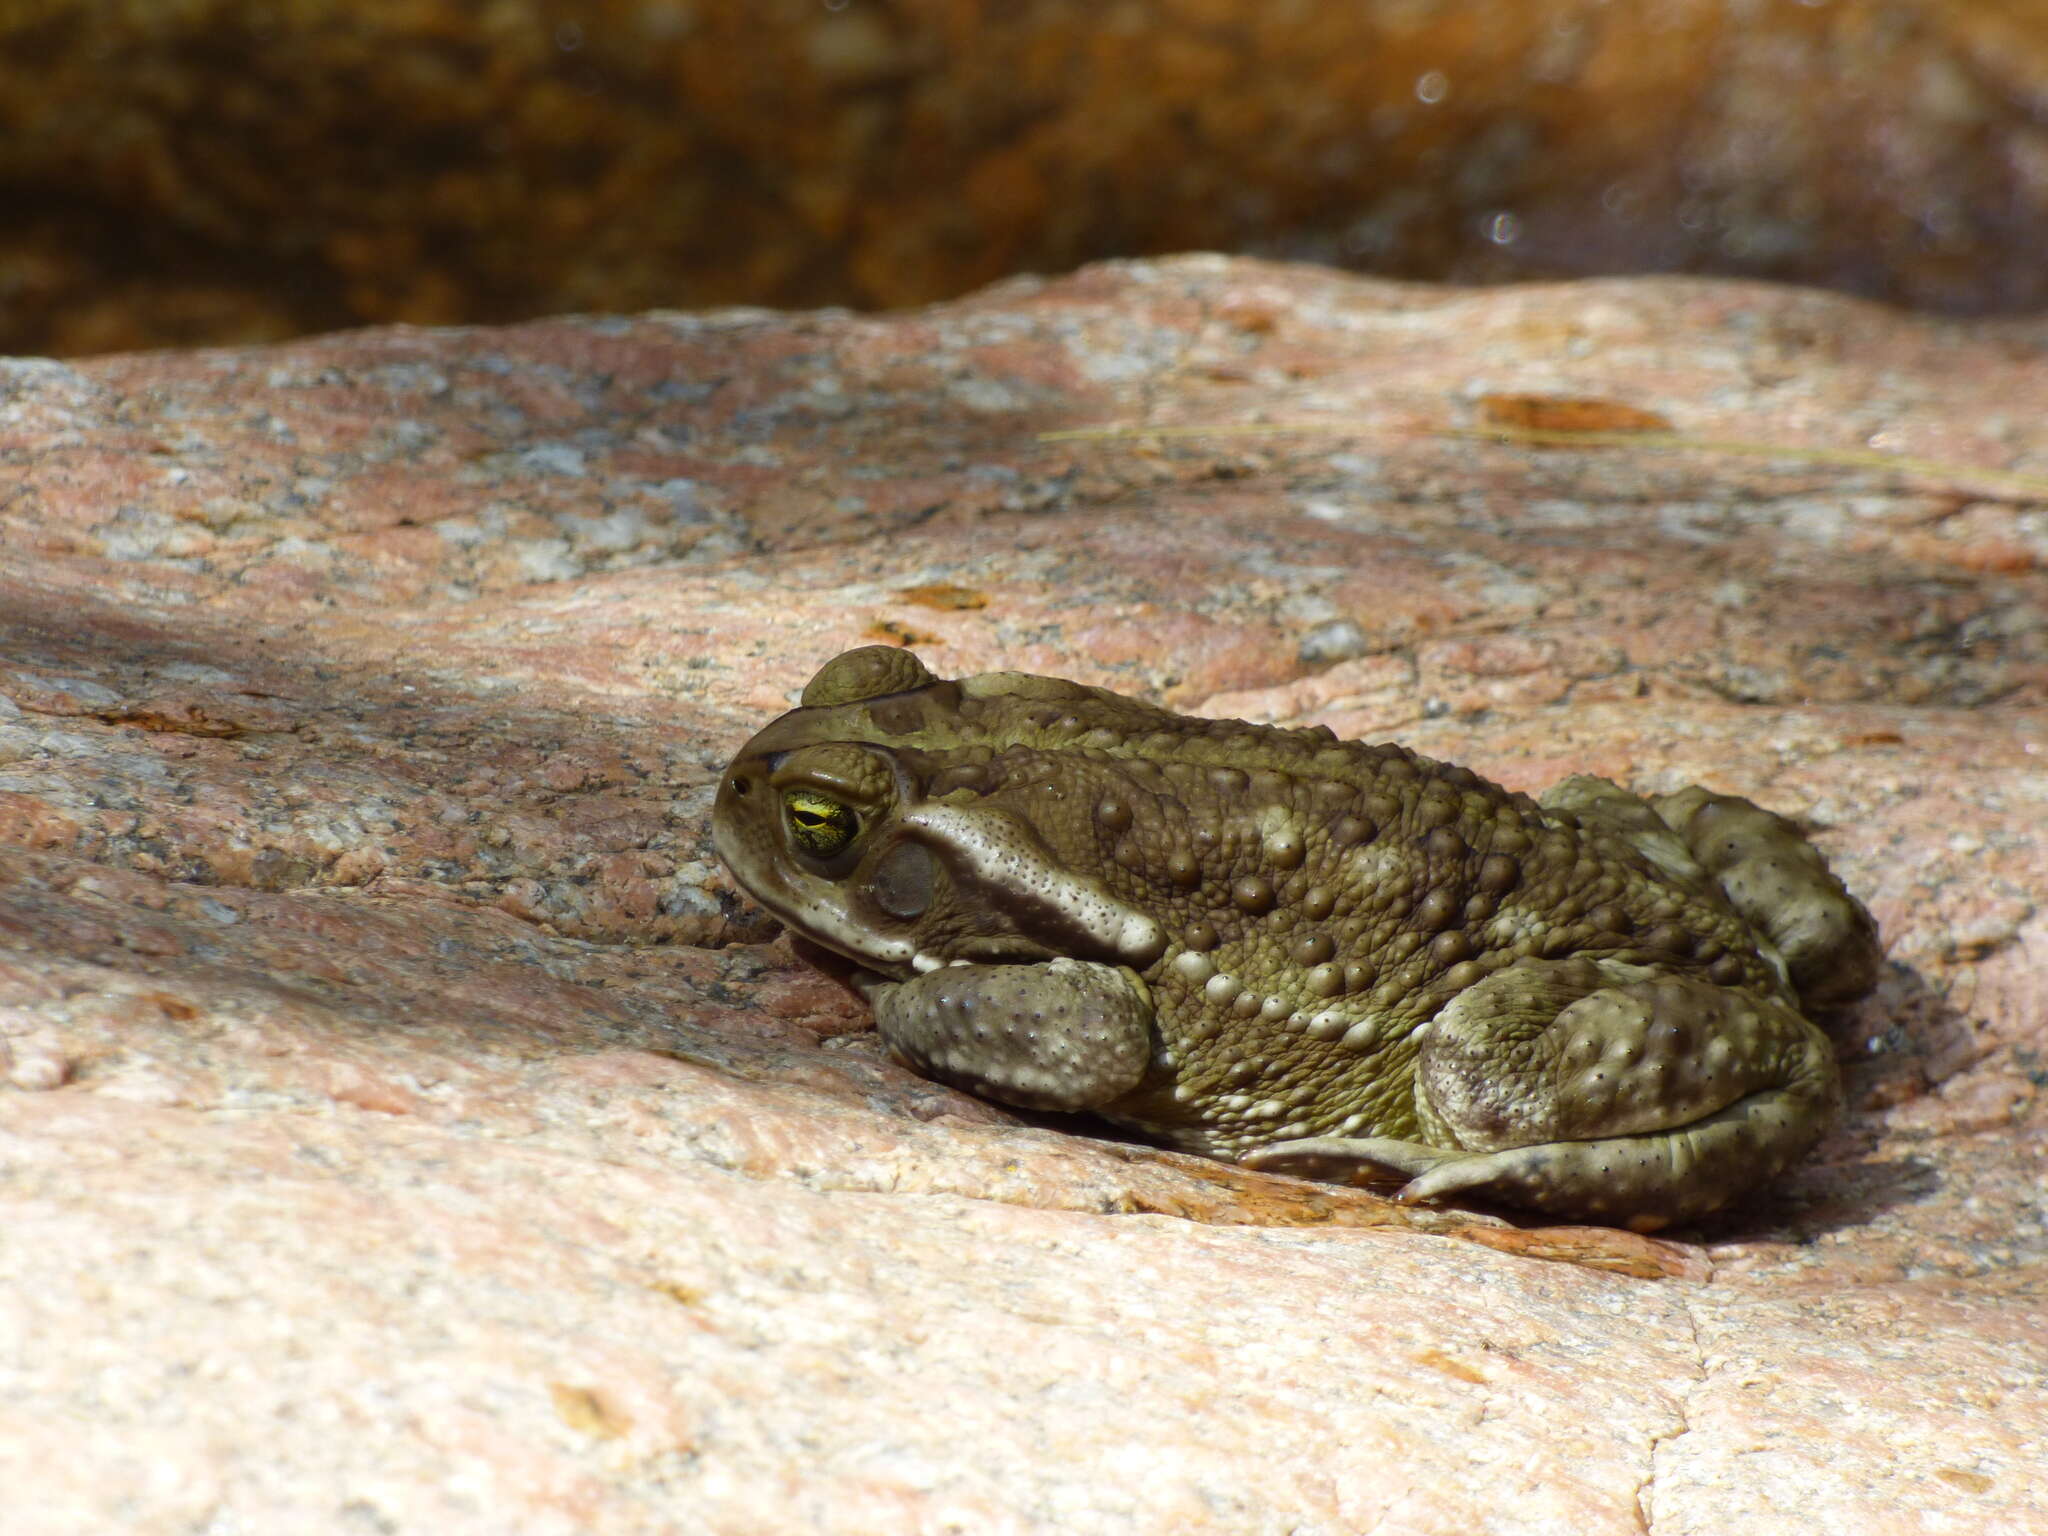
(240, 170)
(407, 1128)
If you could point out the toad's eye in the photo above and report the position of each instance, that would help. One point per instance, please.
(821, 826)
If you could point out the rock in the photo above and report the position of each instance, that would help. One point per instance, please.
(405, 1125)
(235, 170)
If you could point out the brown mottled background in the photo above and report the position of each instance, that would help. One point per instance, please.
(178, 172)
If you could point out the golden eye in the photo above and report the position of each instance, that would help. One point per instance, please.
(821, 826)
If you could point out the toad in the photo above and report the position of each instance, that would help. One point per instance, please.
(1330, 958)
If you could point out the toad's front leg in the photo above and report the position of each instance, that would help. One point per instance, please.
(1595, 1090)
(1065, 1034)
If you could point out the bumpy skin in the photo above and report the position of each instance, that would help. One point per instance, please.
(1329, 958)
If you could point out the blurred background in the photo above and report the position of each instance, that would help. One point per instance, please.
(180, 172)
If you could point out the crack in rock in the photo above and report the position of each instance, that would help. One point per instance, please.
(1646, 1491)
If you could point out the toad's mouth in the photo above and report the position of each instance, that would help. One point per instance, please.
(859, 971)
(827, 929)
(901, 959)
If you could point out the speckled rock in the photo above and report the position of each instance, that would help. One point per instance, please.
(237, 170)
(406, 1126)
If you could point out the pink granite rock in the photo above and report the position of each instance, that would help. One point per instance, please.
(405, 1126)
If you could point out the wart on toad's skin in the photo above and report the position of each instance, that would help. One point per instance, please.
(1335, 959)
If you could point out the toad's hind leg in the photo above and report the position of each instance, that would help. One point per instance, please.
(1593, 1090)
